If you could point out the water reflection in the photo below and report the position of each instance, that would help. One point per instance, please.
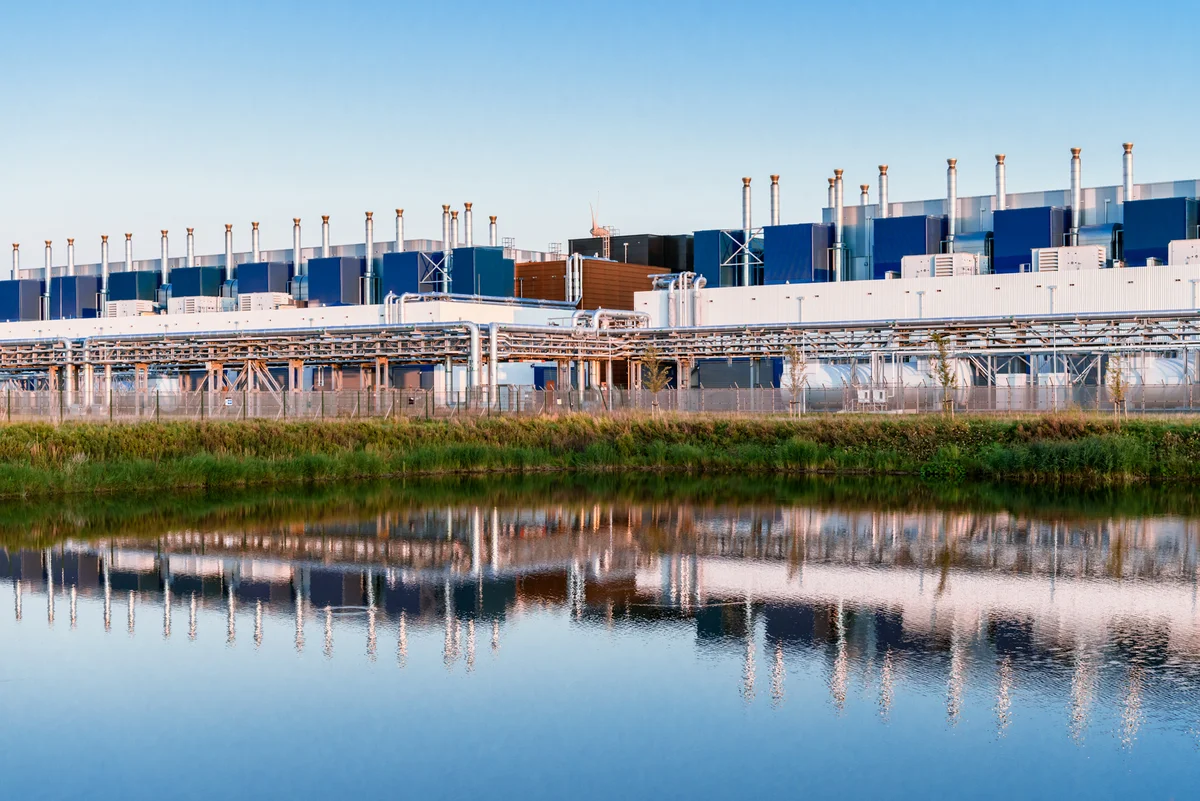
(990, 612)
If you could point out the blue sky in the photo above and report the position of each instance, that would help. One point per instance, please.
(136, 117)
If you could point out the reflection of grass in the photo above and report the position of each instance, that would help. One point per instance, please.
(44, 521)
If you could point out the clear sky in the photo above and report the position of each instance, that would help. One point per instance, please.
(139, 116)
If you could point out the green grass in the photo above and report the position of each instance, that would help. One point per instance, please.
(49, 461)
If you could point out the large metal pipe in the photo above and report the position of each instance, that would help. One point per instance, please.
(325, 236)
(864, 197)
(230, 268)
(369, 255)
(16, 270)
(162, 265)
(468, 226)
(454, 240)
(1127, 171)
(1076, 194)
(839, 220)
(493, 241)
(774, 200)
(399, 230)
(829, 203)
(745, 232)
(255, 253)
(70, 257)
(191, 247)
(951, 202)
(445, 228)
(128, 253)
(103, 268)
(1001, 187)
(883, 190)
(49, 269)
(297, 253)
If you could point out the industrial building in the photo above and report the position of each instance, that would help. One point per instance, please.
(1028, 288)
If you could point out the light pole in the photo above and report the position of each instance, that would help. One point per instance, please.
(1054, 344)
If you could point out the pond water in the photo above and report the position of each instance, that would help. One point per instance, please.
(603, 640)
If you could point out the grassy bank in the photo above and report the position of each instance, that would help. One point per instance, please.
(44, 460)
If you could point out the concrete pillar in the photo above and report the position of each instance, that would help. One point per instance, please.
(70, 384)
(295, 375)
(382, 378)
(108, 387)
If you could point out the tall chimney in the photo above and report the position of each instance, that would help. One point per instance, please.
(445, 228)
(49, 266)
(162, 266)
(454, 241)
(493, 239)
(370, 258)
(831, 202)
(883, 190)
(70, 257)
(128, 253)
(839, 220)
(1001, 189)
(191, 248)
(1127, 171)
(16, 260)
(746, 232)
(1076, 194)
(399, 230)
(325, 236)
(230, 267)
(297, 253)
(774, 200)
(255, 253)
(103, 268)
(952, 202)
(468, 226)
(864, 198)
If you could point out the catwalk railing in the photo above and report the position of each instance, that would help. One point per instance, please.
(128, 405)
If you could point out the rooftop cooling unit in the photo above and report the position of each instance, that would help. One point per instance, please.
(1183, 251)
(263, 301)
(939, 265)
(1080, 257)
(196, 304)
(128, 308)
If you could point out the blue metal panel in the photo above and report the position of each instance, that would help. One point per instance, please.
(706, 256)
(1016, 232)
(73, 297)
(263, 276)
(401, 272)
(796, 254)
(335, 281)
(20, 300)
(481, 271)
(1151, 224)
(897, 237)
(544, 375)
(135, 285)
(191, 282)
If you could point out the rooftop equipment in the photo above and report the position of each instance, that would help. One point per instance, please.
(193, 282)
(264, 276)
(1072, 258)
(20, 300)
(74, 297)
(939, 265)
(1151, 225)
(897, 237)
(133, 285)
(1018, 232)
(1183, 251)
(797, 254)
(335, 281)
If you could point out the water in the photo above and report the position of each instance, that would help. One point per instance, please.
(636, 639)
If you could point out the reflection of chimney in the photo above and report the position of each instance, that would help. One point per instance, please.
(952, 202)
(1076, 194)
(883, 190)
(1001, 188)
(399, 230)
(230, 271)
(70, 257)
(468, 226)
(191, 247)
(774, 200)
(492, 236)
(1127, 171)
(162, 267)
(324, 236)
(255, 253)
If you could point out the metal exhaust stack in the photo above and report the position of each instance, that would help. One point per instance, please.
(399, 230)
(103, 271)
(370, 259)
(493, 241)
(883, 190)
(297, 254)
(830, 202)
(864, 197)
(839, 219)
(468, 226)
(163, 264)
(1127, 171)
(774, 200)
(324, 236)
(454, 240)
(128, 253)
(230, 272)
(1001, 189)
(255, 253)
(191, 248)
(1076, 194)
(745, 232)
(70, 257)
(16, 260)
(49, 263)
(952, 202)
(445, 228)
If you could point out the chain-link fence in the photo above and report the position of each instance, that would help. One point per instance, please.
(57, 405)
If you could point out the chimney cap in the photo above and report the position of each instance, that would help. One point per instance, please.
(1128, 147)
(838, 173)
(190, 231)
(254, 225)
(774, 179)
(953, 163)
(370, 214)
(883, 169)
(295, 221)
(70, 241)
(745, 182)
(164, 232)
(228, 227)
(1075, 151)
(865, 187)
(103, 237)
(832, 181)
(492, 218)
(454, 214)
(399, 213)
(467, 206)
(999, 158)
(129, 236)
(47, 243)
(445, 208)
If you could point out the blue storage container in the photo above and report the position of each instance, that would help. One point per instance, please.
(1017, 232)
(481, 271)
(194, 282)
(74, 297)
(335, 281)
(1151, 224)
(134, 285)
(20, 300)
(796, 254)
(897, 237)
(263, 276)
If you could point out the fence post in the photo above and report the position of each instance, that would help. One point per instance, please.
(8, 406)
(202, 404)
(284, 394)
(110, 403)
(322, 404)
(157, 405)
(245, 403)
